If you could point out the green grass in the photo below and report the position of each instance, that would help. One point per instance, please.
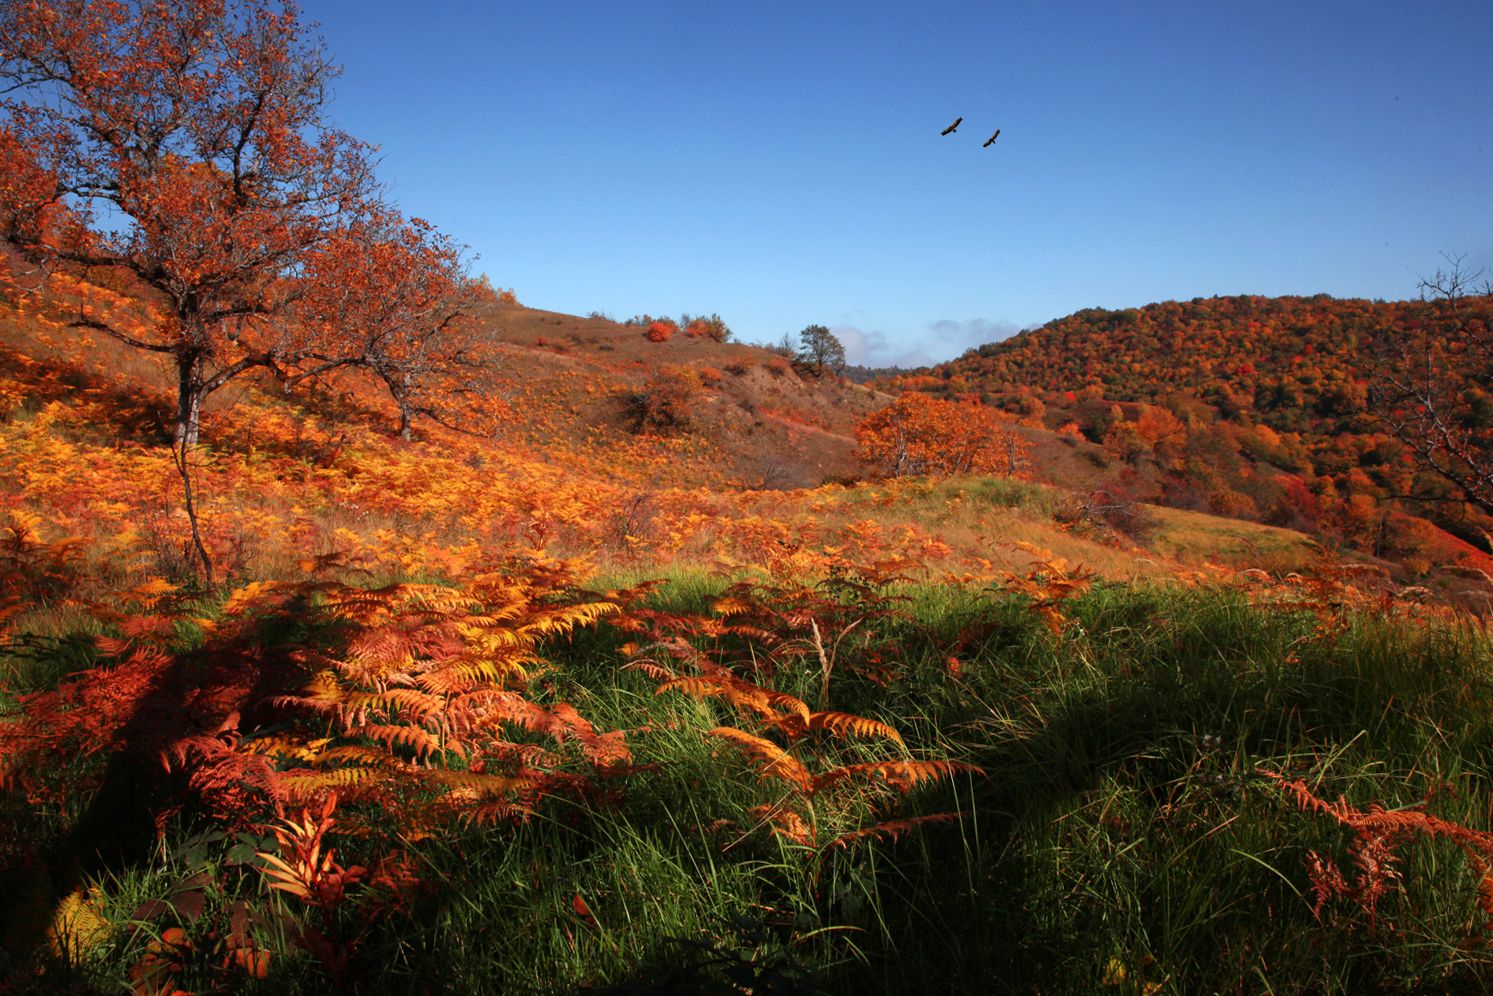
(1121, 839)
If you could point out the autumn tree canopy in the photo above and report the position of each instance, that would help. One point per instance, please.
(186, 143)
(918, 434)
(398, 291)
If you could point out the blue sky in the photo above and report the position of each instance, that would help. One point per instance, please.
(781, 164)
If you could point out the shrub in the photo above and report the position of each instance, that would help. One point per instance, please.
(660, 331)
(713, 328)
(667, 400)
(918, 434)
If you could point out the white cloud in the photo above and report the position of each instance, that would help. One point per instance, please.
(943, 340)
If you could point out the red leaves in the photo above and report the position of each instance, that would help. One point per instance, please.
(1378, 835)
(303, 869)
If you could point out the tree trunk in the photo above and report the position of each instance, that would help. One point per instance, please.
(188, 398)
(405, 414)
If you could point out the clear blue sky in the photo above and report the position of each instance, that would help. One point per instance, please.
(781, 164)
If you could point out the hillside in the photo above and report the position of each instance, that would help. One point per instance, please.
(1249, 407)
(560, 681)
(541, 453)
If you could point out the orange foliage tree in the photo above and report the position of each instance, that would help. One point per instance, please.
(919, 434)
(398, 291)
(193, 130)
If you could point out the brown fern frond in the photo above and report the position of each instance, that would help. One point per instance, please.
(732, 605)
(694, 686)
(409, 702)
(891, 829)
(785, 822)
(361, 755)
(1378, 820)
(777, 763)
(461, 676)
(480, 783)
(1484, 892)
(566, 618)
(1377, 836)
(652, 669)
(284, 748)
(148, 593)
(228, 781)
(844, 724)
(411, 738)
(605, 750)
(486, 814)
(903, 776)
(304, 783)
(765, 702)
(257, 595)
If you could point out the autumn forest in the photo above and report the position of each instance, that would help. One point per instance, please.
(364, 629)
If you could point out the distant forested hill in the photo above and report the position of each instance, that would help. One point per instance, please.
(1247, 406)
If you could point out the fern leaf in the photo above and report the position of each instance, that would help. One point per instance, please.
(732, 605)
(778, 763)
(902, 776)
(411, 738)
(250, 596)
(844, 724)
(891, 829)
(491, 813)
(480, 783)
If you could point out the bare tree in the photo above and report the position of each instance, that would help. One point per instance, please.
(1431, 381)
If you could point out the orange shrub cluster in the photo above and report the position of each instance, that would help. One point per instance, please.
(922, 435)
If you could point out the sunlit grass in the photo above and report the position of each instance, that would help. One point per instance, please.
(1120, 838)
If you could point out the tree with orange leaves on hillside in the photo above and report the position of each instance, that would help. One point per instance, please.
(185, 142)
(400, 292)
(921, 435)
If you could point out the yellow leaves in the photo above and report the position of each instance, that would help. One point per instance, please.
(149, 592)
(78, 926)
(250, 596)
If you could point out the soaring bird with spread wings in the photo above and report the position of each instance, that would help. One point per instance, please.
(951, 127)
(991, 140)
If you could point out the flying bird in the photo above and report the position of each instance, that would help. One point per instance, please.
(991, 140)
(951, 127)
